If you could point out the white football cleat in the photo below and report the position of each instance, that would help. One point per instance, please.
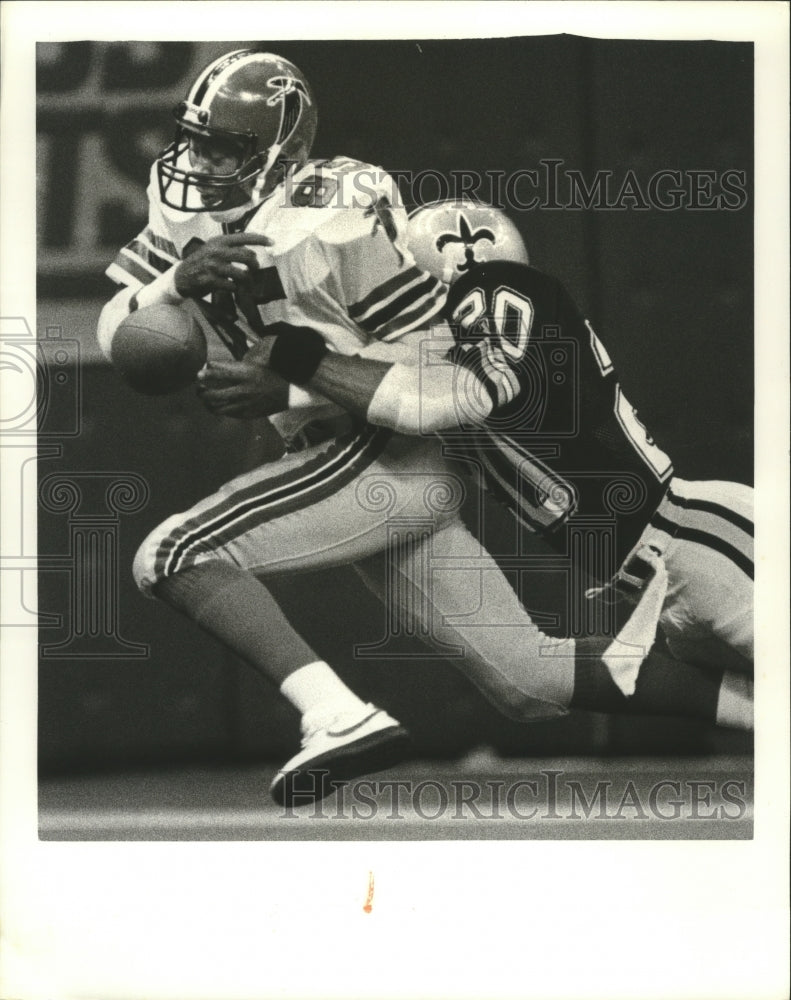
(351, 745)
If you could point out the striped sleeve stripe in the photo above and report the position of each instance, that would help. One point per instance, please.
(397, 306)
(133, 267)
(128, 254)
(359, 311)
(491, 388)
(427, 306)
(497, 391)
(146, 253)
(475, 361)
(490, 367)
(120, 276)
(161, 243)
(499, 372)
(508, 495)
(554, 498)
(143, 258)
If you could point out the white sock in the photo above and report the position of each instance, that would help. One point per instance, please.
(316, 689)
(735, 703)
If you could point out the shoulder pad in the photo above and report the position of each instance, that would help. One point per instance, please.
(342, 183)
(344, 198)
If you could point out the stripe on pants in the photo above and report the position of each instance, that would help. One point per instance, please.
(708, 524)
(264, 500)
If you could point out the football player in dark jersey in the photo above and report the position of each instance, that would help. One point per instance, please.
(526, 394)
(238, 211)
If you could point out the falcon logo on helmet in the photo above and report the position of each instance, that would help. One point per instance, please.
(447, 238)
(259, 107)
(289, 94)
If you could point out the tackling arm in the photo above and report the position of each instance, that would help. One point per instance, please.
(411, 399)
(351, 382)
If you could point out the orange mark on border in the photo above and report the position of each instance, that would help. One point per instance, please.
(369, 899)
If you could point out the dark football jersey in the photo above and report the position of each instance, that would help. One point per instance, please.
(562, 445)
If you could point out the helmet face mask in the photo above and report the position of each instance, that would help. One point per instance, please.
(180, 168)
(447, 238)
(254, 108)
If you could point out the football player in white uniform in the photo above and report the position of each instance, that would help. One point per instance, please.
(241, 223)
(556, 453)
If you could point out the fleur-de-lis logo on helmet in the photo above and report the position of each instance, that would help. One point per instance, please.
(449, 238)
(466, 236)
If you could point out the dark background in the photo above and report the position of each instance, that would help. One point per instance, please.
(668, 291)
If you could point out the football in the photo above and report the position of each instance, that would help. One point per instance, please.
(159, 349)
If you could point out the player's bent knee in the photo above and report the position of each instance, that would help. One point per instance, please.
(163, 554)
(148, 567)
(143, 566)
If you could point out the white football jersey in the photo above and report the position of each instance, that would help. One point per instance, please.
(338, 263)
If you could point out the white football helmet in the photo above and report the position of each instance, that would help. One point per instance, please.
(447, 238)
(257, 101)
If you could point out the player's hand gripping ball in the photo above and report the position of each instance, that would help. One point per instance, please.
(159, 349)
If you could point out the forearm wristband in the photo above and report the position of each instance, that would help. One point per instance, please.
(297, 354)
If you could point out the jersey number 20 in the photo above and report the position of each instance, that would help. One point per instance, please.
(511, 313)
